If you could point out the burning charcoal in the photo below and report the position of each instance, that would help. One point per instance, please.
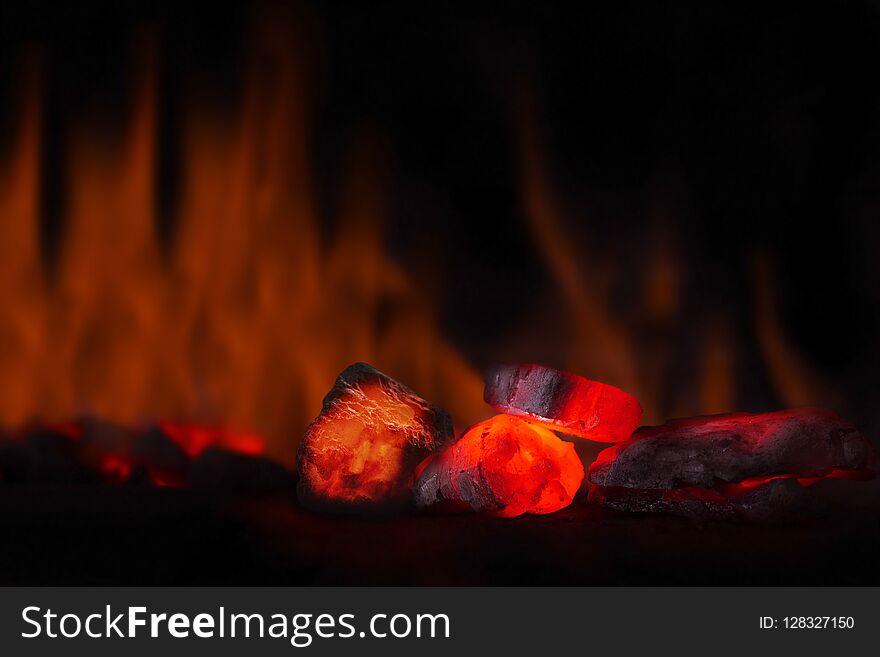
(106, 448)
(731, 448)
(505, 467)
(775, 500)
(361, 452)
(563, 401)
(758, 500)
(160, 458)
(229, 472)
(751, 467)
(82, 451)
(47, 455)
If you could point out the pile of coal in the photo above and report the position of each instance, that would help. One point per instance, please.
(68, 453)
(377, 446)
(515, 463)
(505, 467)
(563, 401)
(361, 453)
(738, 466)
(92, 451)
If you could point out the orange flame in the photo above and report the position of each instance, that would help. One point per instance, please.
(250, 317)
(793, 379)
(246, 317)
(618, 350)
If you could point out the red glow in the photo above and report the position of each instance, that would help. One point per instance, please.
(115, 468)
(163, 481)
(725, 489)
(563, 401)
(809, 480)
(72, 430)
(118, 455)
(606, 456)
(514, 466)
(728, 490)
(195, 439)
(420, 468)
(810, 442)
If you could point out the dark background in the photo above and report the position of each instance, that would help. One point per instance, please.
(731, 129)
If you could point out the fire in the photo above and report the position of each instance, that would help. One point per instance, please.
(809, 480)
(731, 491)
(242, 317)
(246, 315)
(797, 385)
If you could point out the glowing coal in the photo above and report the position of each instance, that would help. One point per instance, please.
(361, 452)
(505, 466)
(563, 401)
(91, 451)
(763, 499)
(731, 448)
(739, 465)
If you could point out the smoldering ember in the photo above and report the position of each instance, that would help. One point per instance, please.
(375, 437)
(378, 451)
(379, 448)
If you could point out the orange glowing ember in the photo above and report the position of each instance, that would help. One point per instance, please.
(737, 465)
(757, 499)
(363, 449)
(563, 401)
(504, 466)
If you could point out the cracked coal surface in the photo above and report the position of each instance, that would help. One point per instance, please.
(505, 467)
(132, 535)
(361, 453)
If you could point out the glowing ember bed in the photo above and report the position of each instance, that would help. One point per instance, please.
(385, 493)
